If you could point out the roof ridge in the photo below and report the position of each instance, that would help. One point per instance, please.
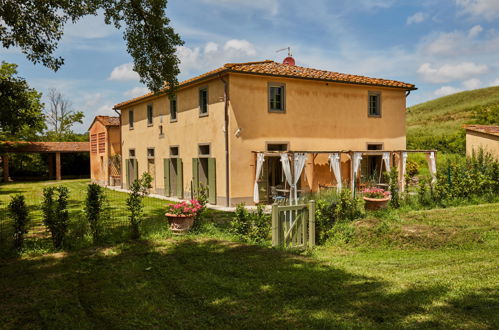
(230, 65)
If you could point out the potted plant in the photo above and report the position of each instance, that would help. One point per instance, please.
(375, 198)
(181, 215)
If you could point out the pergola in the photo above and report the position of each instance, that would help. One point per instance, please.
(298, 159)
(54, 149)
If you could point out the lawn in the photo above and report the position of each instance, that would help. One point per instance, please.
(420, 269)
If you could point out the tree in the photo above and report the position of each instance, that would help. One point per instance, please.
(37, 26)
(20, 106)
(60, 116)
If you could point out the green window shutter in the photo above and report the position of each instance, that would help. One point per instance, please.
(180, 179)
(195, 176)
(135, 169)
(127, 164)
(212, 181)
(166, 173)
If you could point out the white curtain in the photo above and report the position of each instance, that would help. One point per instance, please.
(286, 168)
(386, 159)
(402, 172)
(356, 158)
(260, 158)
(334, 163)
(433, 167)
(299, 164)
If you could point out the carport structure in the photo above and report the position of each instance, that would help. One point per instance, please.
(54, 149)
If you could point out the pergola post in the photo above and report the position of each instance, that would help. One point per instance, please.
(401, 175)
(58, 166)
(5, 162)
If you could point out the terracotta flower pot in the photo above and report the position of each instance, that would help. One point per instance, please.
(180, 224)
(373, 204)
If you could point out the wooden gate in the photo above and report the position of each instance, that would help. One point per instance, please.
(293, 225)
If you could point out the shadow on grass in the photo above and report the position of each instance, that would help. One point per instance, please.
(214, 284)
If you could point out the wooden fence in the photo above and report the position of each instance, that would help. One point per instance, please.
(294, 225)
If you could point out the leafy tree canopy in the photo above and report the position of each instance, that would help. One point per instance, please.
(20, 106)
(37, 26)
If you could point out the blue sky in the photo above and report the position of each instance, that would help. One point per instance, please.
(442, 46)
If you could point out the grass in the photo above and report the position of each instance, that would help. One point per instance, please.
(418, 269)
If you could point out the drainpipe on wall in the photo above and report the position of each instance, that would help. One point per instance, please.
(121, 151)
(226, 136)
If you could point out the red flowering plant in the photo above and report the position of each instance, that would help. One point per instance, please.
(374, 192)
(185, 209)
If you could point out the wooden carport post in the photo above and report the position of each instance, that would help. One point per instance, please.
(5, 162)
(58, 166)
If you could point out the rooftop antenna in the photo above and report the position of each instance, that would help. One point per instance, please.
(287, 48)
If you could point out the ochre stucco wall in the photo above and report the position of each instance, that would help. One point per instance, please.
(187, 132)
(319, 116)
(487, 142)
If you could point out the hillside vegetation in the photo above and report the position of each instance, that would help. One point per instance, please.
(437, 124)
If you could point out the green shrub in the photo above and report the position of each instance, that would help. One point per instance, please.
(138, 190)
(95, 209)
(19, 213)
(251, 226)
(202, 198)
(333, 208)
(55, 213)
(394, 188)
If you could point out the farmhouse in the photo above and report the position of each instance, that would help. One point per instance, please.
(237, 129)
(105, 161)
(484, 137)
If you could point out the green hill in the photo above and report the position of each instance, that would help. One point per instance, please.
(437, 124)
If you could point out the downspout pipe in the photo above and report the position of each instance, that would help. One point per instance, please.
(121, 150)
(226, 138)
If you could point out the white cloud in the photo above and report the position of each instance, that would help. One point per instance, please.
(242, 46)
(446, 90)
(123, 72)
(474, 31)
(488, 9)
(472, 83)
(449, 72)
(210, 47)
(136, 91)
(416, 18)
(495, 83)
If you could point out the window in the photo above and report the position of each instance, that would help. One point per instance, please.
(130, 119)
(276, 98)
(374, 146)
(161, 130)
(204, 150)
(149, 115)
(93, 143)
(374, 104)
(102, 142)
(277, 147)
(173, 109)
(203, 101)
(150, 152)
(174, 152)
(131, 153)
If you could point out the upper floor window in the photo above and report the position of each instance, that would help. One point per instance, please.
(102, 142)
(173, 109)
(276, 97)
(130, 119)
(93, 143)
(149, 115)
(204, 150)
(203, 101)
(131, 153)
(150, 152)
(374, 103)
(174, 152)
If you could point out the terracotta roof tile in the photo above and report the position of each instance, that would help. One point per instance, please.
(488, 129)
(283, 70)
(24, 146)
(109, 120)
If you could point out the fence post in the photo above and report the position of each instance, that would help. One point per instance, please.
(275, 225)
(311, 224)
